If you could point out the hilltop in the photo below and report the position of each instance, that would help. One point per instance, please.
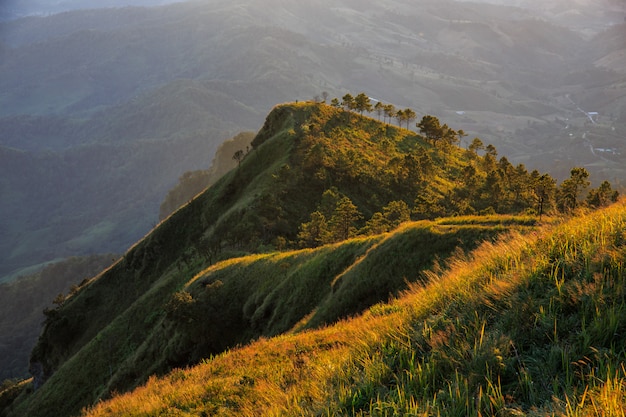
(269, 270)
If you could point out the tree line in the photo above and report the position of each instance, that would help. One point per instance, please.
(484, 185)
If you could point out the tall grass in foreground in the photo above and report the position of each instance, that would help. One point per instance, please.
(530, 325)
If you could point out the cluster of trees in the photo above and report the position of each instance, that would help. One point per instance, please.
(477, 182)
(505, 189)
(431, 129)
(349, 175)
(336, 218)
(429, 126)
(363, 103)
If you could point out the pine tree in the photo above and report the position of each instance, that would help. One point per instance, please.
(343, 219)
(314, 232)
(362, 103)
(570, 189)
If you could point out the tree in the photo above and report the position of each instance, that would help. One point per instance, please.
(342, 221)
(396, 213)
(430, 127)
(428, 205)
(314, 232)
(409, 116)
(492, 192)
(380, 109)
(238, 156)
(376, 225)
(347, 101)
(335, 103)
(476, 145)
(329, 201)
(602, 196)
(567, 198)
(543, 188)
(461, 134)
(449, 135)
(489, 159)
(400, 117)
(362, 103)
(390, 111)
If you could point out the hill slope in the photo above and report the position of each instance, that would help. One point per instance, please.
(159, 306)
(532, 324)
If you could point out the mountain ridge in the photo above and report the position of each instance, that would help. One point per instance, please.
(154, 288)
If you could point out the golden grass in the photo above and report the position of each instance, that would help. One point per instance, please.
(294, 374)
(346, 369)
(288, 374)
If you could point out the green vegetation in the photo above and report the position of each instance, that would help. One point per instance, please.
(176, 322)
(214, 70)
(312, 227)
(532, 324)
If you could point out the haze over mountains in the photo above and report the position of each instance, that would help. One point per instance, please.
(165, 85)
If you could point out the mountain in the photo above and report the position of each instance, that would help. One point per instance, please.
(209, 277)
(12, 9)
(234, 281)
(103, 110)
(587, 16)
(98, 182)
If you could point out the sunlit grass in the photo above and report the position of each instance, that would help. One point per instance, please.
(532, 324)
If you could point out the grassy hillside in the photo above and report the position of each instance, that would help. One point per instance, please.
(532, 324)
(178, 321)
(159, 306)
